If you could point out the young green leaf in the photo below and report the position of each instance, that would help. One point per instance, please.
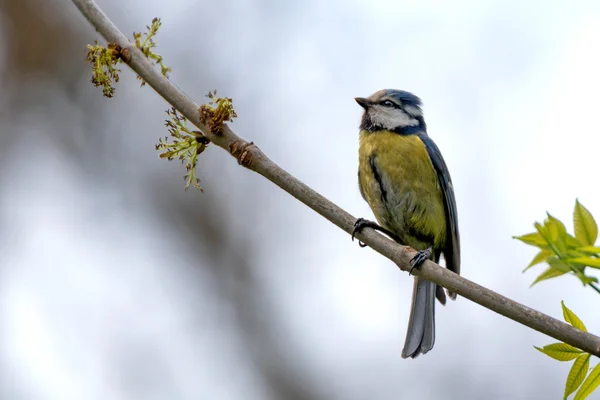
(550, 232)
(572, 242)
(547, 274)
(589, 249)
(589, 385)
(587, 261)
(586, 229)
(560, 351)
(557, 232)
(558, 225)
(577, 374)
(573, 254)
(559, 264)
(571, 318)
(553, 228)
(539, 258)
(586, 280)
(532, 239)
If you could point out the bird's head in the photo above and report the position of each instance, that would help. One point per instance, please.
(393, 110)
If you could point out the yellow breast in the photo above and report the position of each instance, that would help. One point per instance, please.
(403, 191)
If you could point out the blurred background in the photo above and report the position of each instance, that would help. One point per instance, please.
(117, 284)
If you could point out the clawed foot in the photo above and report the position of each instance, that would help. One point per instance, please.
(419, 258)
(362, 223)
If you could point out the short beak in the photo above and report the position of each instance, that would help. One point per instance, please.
(363, 102)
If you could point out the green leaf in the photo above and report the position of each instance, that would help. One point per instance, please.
(539, 258)
(571, 318)
(577, 374)
(557, 232)
(559, 265)
(553, 228)
(550, 233)
(590, 384)
(560, 351)
(572, 242)
(532, 239)
(587, 261)
(586, 229)
(558, 225)
(569, 255)
(589, 249)
(574, 253)
(547, 274)
(588, 279)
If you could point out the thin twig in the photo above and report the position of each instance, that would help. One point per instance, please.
(250, 156)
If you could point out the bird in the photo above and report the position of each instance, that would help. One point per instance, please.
(404, 179)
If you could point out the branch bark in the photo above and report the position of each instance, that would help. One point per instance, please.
(251, 157)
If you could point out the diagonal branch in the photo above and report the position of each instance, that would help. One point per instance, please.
(251, 157)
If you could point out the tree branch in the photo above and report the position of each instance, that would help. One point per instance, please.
(251, 157)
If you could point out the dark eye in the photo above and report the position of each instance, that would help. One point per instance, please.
(387, 103)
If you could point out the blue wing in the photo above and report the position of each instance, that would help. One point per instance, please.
(452, 249)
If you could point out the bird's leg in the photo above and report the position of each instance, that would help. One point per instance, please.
(362, 223)
(419, 259)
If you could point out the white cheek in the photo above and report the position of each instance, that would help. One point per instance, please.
(391, 118)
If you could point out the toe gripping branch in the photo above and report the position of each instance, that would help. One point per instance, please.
(362, 223)
(419, 259)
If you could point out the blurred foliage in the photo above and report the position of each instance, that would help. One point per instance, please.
(568, 254)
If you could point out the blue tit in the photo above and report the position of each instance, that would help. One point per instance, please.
(405, 181)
